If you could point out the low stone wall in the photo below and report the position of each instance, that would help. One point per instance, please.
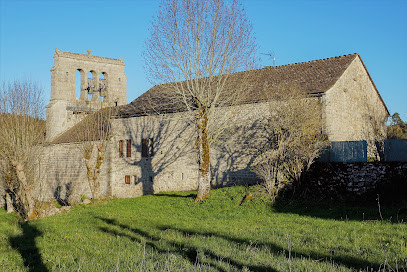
(355, 181)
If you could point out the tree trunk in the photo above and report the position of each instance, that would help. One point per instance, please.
(90, 175)
(99, 162)
(93, 172)
(9, 203)
(24, 191)
(204, 178)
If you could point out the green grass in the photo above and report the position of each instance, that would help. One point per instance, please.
(169, 232)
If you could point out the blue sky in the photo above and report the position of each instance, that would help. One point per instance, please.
(295, 31)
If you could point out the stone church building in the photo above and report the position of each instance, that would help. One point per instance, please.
(151, 147)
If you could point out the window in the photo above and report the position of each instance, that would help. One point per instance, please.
(135, 179)
(147, 147)
(144, 148)
(128, 152)
(121, 148)
(127, 179)
(151, 147)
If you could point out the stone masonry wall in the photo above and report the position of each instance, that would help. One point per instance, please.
(353, 109)
(173, 165)
(355, 181)
(63, 173)
(65, 109)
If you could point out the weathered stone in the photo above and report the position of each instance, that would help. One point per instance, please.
(65, 208)
(65, 109)
(172, 166)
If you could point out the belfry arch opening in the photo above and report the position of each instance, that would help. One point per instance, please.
(79, 82)
(103, 85)
(91, 84)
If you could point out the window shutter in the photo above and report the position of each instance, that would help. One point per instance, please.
(121, 149)
(144, 148)
(128, 153)
(127, 179)
(151, 147)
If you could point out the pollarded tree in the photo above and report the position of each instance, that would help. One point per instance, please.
(193, 48)
(93, 134)
(22, 131)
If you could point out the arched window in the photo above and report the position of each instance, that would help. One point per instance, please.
(78, 82)
(103, 85)
(91, 84)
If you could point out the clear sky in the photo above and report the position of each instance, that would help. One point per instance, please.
(295, 31)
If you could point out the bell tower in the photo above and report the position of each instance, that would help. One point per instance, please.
(102, 83)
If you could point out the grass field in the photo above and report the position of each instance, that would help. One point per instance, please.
(169, 232)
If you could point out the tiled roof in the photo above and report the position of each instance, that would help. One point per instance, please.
(93, 127)
(312, 77)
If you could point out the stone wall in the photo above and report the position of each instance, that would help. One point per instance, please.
(173, 165)
(355, 181)
(353, 108)
(63, 173)
(65, 109)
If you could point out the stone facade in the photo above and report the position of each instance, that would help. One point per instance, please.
(170, 163)
(102, 84)
(353, 108)
(63, 173)
(151, 153)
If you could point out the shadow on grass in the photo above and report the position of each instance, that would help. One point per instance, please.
(191, 253)
(353, 211)
(193, 196)
(26, 246)
(188, 252)
(348, 261)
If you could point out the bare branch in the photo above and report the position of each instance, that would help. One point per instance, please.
(194, 47)
(22, 133)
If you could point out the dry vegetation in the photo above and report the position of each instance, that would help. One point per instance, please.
(289, 138)
(21, 134)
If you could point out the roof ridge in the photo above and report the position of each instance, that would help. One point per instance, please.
(290, 64)
(266, 67)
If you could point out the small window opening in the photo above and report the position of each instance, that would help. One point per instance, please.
(151, 147)
(144, 148)
(127, 179)
(147, 147)
(151, 178)
(121, 149)
(135, 179)
(128, 151)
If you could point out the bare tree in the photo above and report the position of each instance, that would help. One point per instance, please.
(21, 134)
(372, 121)
(289, 138)
(93, 134)
(194, 47)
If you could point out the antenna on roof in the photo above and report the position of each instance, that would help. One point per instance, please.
(271, 55)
